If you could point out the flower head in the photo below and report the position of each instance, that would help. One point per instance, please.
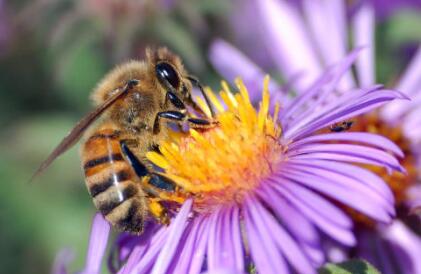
(309, 27)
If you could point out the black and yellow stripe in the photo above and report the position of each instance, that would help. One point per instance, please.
(111, 181)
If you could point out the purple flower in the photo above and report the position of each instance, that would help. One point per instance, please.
(261, 187)
(98, 241)
(324, 24)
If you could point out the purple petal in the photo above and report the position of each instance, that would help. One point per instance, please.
(263, 250)
(366, 154)
(349, 105)
(231, 63)
(182, 261)
(335, 253)
(343, 189)
(346, 107)
(360, 137)
(414, 199)
(382, 251)
(363, 24)
(288, 42)
(143, 256)
(223, 271)
(62, 261)
(409, 242)
(326, 209)
(317, 94)
(214, 234)
(410, 84)
(285, 243)
(411, 123)
(200, 247)
(315, 253)
(97, 244)
(127, 244)
(327, 22)
(175, 231)
(325, 223)
(292, 218)
(224, 246)
(360, 175)
(237, 241)
(299, 226)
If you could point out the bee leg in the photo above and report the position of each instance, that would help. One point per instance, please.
(158, 211)
(196, 82)
(201, 123)
(149, 179)
(195, 122)
(177, 116)
(130, 142)
(175, 100)
(170, 115)
(140, 169)
(159, 188)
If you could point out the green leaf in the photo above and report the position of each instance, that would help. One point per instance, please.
(349, 267)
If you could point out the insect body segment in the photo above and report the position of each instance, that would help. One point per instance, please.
(122, 188)
(111, 181)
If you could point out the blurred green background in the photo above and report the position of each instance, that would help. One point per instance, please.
(51, 55)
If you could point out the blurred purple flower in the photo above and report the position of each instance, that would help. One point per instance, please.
(320, 30)
(62, 261)
(98, 241)
(274, 226)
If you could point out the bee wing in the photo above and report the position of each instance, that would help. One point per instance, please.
(76, 133)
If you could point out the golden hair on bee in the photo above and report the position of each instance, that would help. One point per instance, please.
(135, 101)
(143, 70)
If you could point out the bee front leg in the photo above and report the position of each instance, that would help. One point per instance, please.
(175, 116)
(179, 117)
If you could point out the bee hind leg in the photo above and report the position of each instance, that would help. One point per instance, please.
(151, 183)
(159, 188)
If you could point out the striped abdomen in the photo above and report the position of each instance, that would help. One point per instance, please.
(111, 181)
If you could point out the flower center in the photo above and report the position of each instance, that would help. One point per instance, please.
(222, 164)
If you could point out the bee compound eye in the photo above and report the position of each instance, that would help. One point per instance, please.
(166, 72)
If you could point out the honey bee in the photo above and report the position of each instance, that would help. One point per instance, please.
(342, 126)
(133, 101)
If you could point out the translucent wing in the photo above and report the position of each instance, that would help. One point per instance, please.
(76, 133)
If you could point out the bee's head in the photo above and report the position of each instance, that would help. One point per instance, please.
(169, 70)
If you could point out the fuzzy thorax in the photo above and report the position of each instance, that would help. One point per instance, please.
(222, 165)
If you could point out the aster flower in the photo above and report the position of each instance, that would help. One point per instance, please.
(261, 185)
(307, 26)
